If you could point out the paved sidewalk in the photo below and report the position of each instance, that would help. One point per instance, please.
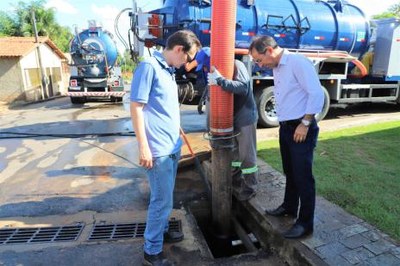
(339, 238)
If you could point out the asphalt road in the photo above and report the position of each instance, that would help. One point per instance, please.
(85, 157)
(62, 164)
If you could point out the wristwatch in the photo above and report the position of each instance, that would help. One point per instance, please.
(306, 122)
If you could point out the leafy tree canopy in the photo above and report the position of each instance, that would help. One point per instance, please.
(393, 11)
(19, 23)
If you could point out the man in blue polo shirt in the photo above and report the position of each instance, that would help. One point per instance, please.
(156, 121)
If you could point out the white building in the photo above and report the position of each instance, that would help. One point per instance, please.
(21, 59)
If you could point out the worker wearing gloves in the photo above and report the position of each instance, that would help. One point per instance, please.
(245, 170)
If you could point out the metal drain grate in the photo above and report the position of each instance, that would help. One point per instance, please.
(40, 234)
(124, 231)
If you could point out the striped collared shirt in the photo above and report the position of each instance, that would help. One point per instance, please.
(297, 88)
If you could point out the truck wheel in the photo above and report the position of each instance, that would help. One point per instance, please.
(265, 101)
(78, 100)
(116, 99)
(325, 108)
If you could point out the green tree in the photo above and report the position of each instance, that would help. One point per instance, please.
(127, 65)
(7, 25)
(396, 9)
(20, 23)
(393, 11)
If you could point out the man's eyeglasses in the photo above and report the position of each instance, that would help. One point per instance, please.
(259, 60)
(190, 58)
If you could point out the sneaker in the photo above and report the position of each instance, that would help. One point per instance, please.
(156, 260)
(173, 237)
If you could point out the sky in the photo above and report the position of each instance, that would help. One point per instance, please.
(77, 12)
(73, 13)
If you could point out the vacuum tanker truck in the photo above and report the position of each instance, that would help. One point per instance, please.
(94, 73)
(357, 60)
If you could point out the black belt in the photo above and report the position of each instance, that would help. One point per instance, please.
(293, 123)
(173, 156)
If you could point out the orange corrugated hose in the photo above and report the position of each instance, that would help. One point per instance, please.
(356, 62)
(222, 57)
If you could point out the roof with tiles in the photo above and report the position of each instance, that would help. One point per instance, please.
(21, 46)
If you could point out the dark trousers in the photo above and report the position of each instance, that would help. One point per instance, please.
(297, 161)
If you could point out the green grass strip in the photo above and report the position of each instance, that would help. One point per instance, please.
(358, 169)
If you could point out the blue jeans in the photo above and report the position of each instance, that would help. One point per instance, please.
(297, 161)
(162, 181)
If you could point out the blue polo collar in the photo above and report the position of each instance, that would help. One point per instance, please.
(161, 60)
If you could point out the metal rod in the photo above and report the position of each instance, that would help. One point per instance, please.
(243, 236)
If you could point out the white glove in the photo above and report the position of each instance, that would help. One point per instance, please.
(213, 76)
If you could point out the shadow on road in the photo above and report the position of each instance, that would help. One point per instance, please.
(62, 103)
(71, 129)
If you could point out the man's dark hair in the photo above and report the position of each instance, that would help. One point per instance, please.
(261, 43)
(186, 38)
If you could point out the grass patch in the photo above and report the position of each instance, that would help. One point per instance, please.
(357, 169)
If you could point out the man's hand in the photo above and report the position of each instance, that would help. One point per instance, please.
(213, 76)
(145, 157)
(300, 133)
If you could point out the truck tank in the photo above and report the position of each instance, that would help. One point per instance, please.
(94, 72)
(314, 28)
(93, 51)
(296, 24)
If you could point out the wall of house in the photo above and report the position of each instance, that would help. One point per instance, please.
(31, 73)
(11, 82)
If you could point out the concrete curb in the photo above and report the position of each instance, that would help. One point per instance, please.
(339, 238)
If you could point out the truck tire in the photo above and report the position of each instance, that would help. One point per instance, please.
(265, 102)
(116, 99)
(266, 107)
(78, 100)
(325, 108)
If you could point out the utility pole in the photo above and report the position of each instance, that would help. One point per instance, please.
(42, 70)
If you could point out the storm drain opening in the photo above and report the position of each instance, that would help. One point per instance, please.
(126, 230)
(40, 234)
(240, 240)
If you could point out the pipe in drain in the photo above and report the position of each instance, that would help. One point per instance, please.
(236, 241)
(247, 242)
